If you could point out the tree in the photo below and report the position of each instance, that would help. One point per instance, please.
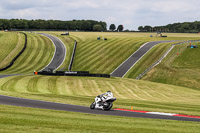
(104, 25)
(112, 27)
(120, 28)
(147, 28)
(97, 27)
(141, 28)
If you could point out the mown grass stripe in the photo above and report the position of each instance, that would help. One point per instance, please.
(21, 62)
(8, 57)
(93, 55)
(34, 57)
(32, 84)
(110, 57)
(82, 53)
(52, 81)
(9, 85)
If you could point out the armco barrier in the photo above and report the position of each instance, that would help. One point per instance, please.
(75, 73)
(72, 57)
(17, 56)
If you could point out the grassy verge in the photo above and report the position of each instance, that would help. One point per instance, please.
(40, 120)
(141, 95)
(182, 69)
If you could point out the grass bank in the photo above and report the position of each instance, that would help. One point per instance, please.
(182, 69)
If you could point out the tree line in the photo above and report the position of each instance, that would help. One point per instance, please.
(81, 25)
(185, 27)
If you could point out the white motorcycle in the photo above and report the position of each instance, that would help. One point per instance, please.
(102, 102)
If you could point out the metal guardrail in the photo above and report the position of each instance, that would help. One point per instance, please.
(162, 57)
(72, 57)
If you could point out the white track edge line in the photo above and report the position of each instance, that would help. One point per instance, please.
(160, 113)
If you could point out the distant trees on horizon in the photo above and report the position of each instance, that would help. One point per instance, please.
(23, 24)
(92, 25)
(185, 27)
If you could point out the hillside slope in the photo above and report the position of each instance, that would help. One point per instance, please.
(11, 44)
(182, 69)
(36, 56)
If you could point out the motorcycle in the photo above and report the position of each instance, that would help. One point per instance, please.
(105, 104)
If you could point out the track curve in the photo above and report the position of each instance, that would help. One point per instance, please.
(123, 68)
(59, 55)
(7, 100)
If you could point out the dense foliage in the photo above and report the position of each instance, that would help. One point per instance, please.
(112, 27)
(82, 25)
(186, 27)
(120, 28)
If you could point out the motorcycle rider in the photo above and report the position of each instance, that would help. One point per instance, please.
(104, 96)
(103, 101)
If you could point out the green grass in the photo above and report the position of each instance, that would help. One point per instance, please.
(49, 121)
(11, 44)
(141, 95)
(182, 69)
(37, 55)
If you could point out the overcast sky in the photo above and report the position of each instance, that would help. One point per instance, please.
(130, 13)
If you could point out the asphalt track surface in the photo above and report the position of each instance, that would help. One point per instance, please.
(3, 76)
(6, 100)
(56, 62)
(59, 55)
(122, 69)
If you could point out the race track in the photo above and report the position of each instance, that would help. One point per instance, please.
(6, 100)
(122, 69)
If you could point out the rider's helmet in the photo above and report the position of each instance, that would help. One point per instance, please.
(109, 93)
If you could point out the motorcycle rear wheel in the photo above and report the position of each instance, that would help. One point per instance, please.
(108, 107)
(92, 106)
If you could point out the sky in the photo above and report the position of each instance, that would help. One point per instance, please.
(130, 13)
